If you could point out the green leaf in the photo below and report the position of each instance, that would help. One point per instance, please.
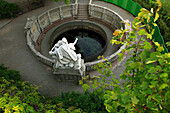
(158, 68)
(153, 84)
(134, 65)
(120, 56)
(149, 36)
(161, 61)
(125, 97)
(144, 85)
(156, 16)
(168, 44)
(151, 10)
(163, 86)
(167, 97)
(160, 49)
(147, 45)
(154, 24)
(113, 95)
(85, 87)
(152, 70)
(150, 62)
(164, 75)
(80, 82)
(30, 109)
(109, 108)
(144, 54)
(141, 32)
(134, 100)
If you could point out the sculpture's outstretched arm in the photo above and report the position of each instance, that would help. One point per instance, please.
(75, 41)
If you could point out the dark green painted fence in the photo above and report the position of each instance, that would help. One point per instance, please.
(134, 8)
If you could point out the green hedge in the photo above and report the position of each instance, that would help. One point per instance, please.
(88, 102)
(8, 10)
(134, 8)
(18, 95)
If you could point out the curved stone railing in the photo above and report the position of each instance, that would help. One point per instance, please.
(36, 26)
(106, 14)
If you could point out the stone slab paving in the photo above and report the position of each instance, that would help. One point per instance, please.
(15, 54)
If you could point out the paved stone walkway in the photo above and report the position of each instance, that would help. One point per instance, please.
(15, 53)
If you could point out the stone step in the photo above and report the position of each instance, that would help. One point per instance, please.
(83, 12)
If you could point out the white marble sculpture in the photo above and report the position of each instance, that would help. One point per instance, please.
(66, 57)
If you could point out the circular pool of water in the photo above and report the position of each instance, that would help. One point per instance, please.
(90, 44)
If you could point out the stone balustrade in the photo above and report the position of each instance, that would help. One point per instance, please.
(35, 26)
(106, 14)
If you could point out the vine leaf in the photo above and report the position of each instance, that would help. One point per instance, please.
(134, 100)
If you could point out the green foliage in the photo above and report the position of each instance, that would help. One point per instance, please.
(164, 20)
(88, 102)
(8, 10)
(144, 84)
(10, 74)
(17, 96)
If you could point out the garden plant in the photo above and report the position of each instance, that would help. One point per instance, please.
(144, 84)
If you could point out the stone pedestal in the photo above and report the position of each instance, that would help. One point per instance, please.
(68, 74)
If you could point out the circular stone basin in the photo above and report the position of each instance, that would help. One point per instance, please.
(90, 44)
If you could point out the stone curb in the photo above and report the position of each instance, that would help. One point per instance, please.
(6, 23)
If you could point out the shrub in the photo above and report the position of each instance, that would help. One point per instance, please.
(10, 74)
(163, 21)
(143, 87)
(18, 96)
(8, 10)
(88, 102)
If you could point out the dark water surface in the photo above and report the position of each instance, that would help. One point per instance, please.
(89, 42)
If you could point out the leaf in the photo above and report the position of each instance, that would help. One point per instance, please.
(134, 100)
(125, 97)
(116, 32)
(151, 10)
(150, 62)
(85, 87)
(168, 44)
(80, 82)
(160, 49)
(147, 45)
(167, 97)
(161, 61)
(159, 4)
(154, 24)
(149, 36)
(164, 75)
(113, 41)
(109, 108)
(153, 84)
(163, 86)
(30, 109)
(141, 32)
(156, 17)
(144, 85)
(120, 56)
(113, 95)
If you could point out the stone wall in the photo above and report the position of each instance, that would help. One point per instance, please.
(27, 5)
(35, 27)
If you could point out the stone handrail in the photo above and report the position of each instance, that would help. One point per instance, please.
(35, 26)
(106, 14)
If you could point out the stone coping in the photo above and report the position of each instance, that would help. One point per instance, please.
(35, 26)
